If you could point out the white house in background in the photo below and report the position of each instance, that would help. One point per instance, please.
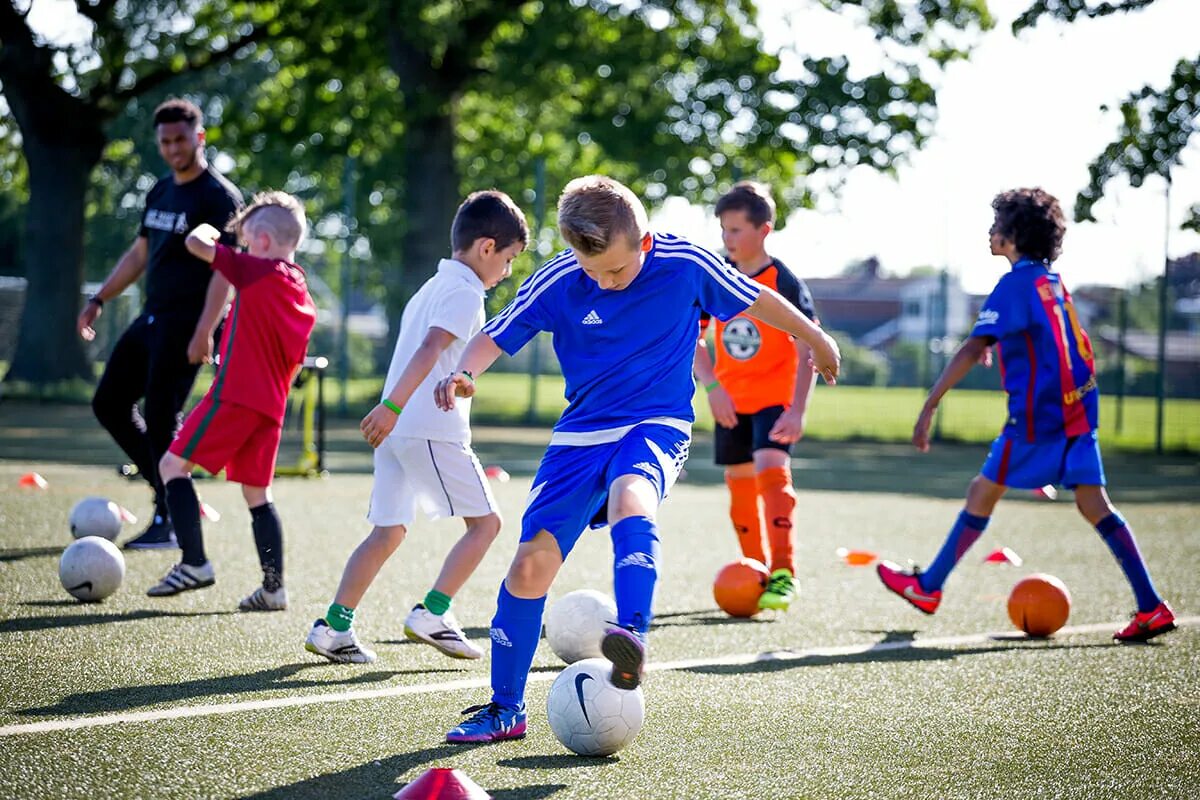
(879, 311)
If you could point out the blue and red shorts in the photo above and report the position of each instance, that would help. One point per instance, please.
(1067, 462)
(232, 437)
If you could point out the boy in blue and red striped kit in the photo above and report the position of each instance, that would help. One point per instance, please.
(237, 426)
(1049, 373)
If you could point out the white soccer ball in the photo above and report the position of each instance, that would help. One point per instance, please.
(588, 714)
(96, 516)
(577, 622)
(91, 568)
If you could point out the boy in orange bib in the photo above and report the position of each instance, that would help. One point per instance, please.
(758, 392)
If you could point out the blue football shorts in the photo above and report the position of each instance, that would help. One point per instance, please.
(1031, 465)
(570, 490)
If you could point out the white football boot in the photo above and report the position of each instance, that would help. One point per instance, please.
(443, 632)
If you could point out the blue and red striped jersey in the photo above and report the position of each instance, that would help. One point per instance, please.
(1046, 358)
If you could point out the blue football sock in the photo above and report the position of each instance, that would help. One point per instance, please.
(635, 570)
(1119, 538)
(967, 528)
(516, 629)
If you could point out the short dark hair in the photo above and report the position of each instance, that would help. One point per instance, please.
(752, 198)
(176, 109)
(1032, 220)
(490, 214)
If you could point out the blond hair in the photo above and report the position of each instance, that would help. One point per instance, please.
(595, 211)
(278, 214)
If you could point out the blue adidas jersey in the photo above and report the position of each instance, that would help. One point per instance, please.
(1046, 358)
(626, 355)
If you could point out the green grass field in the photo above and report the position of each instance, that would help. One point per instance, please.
(850, 695)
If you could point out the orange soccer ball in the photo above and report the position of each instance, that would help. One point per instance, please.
(1039, 604)
(738, 586)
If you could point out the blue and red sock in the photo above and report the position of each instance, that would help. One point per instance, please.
(967, 529)
(1119, 538)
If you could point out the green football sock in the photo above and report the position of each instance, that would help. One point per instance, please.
(339, 617)
(436, 602)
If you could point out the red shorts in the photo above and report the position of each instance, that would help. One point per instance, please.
(240, 440)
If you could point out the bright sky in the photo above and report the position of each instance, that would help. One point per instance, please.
(1023, 111)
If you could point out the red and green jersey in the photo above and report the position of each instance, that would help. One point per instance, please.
(266, 335)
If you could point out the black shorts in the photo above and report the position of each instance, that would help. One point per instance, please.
(736, 445)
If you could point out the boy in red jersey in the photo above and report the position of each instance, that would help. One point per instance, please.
(1049, 374)
(236, 427)
(758, 394)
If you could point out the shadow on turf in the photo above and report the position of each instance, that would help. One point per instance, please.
(888, 653)
(707, 616)
(21, 553)
(268, 680)
(377, 779)
(25, 624)
(557, 761)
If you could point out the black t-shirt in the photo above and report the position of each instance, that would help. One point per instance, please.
(177, 281)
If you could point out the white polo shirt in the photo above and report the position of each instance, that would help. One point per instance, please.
(453, 301)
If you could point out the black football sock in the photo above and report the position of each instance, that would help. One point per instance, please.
(268, 538)
(184, 507)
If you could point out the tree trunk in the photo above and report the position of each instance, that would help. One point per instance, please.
(431, 196)
(48, 347)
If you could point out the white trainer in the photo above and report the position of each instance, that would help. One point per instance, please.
(341, 647)
(182, 578)
(262, 600)
(443, 632)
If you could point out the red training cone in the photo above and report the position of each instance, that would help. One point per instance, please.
(441, 783)
(127, 516)
(496, 473)
(31, 480)
(209, 513)
(1047, 492)
(1003, 555)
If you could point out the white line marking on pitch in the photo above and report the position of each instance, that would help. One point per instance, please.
(187, 712)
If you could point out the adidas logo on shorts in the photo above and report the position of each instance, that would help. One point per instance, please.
(592, 318)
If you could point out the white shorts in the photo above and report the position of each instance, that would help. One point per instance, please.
(443, 478)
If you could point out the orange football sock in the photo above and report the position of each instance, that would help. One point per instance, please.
(746, 516)
(779, 501)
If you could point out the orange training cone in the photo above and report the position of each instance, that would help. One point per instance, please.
(856, 558)
(441, 783)
(496, 473)
(1047, 492)
(209, 513)
(1003, 555)
(31, 480)
(127, 516)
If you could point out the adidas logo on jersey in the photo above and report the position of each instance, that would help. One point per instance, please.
(592, 318)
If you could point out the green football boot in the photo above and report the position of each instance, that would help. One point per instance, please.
(781, 591)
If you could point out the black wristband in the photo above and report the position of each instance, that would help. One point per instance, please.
(97, 299)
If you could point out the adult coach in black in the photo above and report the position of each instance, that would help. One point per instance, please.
(159, 354)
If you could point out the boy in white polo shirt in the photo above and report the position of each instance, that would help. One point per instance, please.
(423, 456)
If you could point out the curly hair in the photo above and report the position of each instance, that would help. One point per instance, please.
(1033, 220)
(751, 197)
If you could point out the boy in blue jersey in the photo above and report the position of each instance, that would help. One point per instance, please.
(1049, 374)
(623, 306)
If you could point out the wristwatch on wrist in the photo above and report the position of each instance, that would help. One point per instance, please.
(97, 299)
